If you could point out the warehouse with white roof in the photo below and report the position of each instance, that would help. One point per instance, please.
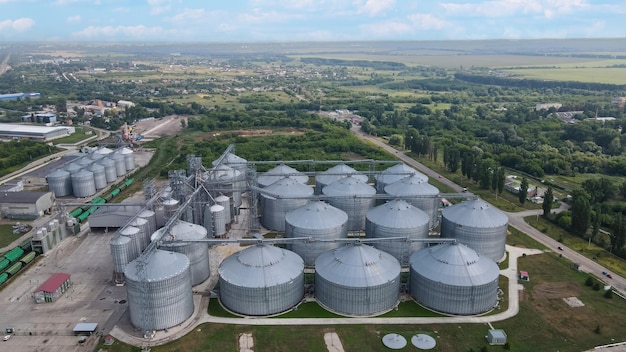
(43, 133)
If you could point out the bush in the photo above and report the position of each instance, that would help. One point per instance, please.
(589, 281)
(608, 294)
(507, 346)
(597, 329)
(596, 286)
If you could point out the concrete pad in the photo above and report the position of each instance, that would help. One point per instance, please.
(573, 302)
(333, 344)
(246, 343)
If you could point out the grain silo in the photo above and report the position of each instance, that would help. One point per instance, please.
(122, 252)
(151, 217)
(96, 156)
(452, 278)
(197, 252)
(357, 280)
(104, 151)
(279, 172)
(120, 164)
(160, 296)
(420, 193)
(224, 179)
(236, 162)
(72, 168)
(397, 218)
(135, 235)
(99, 175)
(354, 197)
(284, 196)
(145, 230)
(84, 162)
(109, 169)
(336, 173)
(60, 183)
(129, 158)
(218, 219)
(83, 184)
(478, 225)
(170, 207)
(394, 174)
(261, 280)
(319, 221)
(225, 202)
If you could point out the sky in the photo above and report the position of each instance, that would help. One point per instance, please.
(308, 20)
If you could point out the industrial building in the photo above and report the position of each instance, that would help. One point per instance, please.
(19, 96)
(52, 288)
(25, 205)
(41, 133)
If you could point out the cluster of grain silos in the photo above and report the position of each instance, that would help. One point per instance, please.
(418, 192)
(353, 196)
(197, 252)
(394, 174)
(334, 174)
(279, 172)
(478, 225)
(90, 173)
(281, 197)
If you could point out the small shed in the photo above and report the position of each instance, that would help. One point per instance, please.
(523, 275)
(85, 329)
(496, 337)
(53, 288)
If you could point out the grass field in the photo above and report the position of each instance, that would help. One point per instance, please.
(80, 135)
(7, 236)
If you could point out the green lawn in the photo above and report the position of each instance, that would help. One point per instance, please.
(80, 135)
(7, 236)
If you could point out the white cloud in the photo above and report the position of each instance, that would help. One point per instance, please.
(73, 19)
(506, 8)
(189, 15)
(259, 16)
(375, 7)
(158, 7)
(426, 21)
(387, 28)
(20, 24)
(135, 32)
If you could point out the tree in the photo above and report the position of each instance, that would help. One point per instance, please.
(523, 191)
(597, 221)
(548, 198)
(619, 233)
(501, 178)
(581, 214)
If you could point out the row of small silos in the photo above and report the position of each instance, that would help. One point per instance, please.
(358, 280)
(130, 241)
(90, 173)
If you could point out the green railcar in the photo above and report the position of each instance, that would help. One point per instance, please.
(116, 192)
(82, 217)
(28, 258)
(108, 197)
(27, 245)
(4, 263)
(14, 254)
(74, 213)
(3, 278)
(92, 210)
(98, 200)
(13, 269)
(128, 182)
(122, 187)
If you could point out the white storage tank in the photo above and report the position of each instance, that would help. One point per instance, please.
(145, 231)
(218, 219)
(418, 193)
(261, 280)
(278, 173)
(161, 298)
(60, 183)
(336, 173)
(135, 235)
(120, 164)
(397, 218)
(478, 225)
(99, 175)
(151, 217)
(225, 202)
(226, 180)
(129, 158)
(109, 169)
(197, 252)
(83, 184)
(287, 195)
(394, 174)
(320, 221)
(72, 168)
(452, 278)
(354, 197)
(357, 280)
(122, 252)
(170, 206)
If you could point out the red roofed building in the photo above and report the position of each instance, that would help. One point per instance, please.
(53, 288)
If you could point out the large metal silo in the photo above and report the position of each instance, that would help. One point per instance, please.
(104, 151)
(478, 225)
(120, 164)
(122, 252)
(96, 156)
(394, 174)
(144, 231)
(319, 221)
(135, 235)
(197, 252)
(109, 169)
(357, 280)
(226, 180)
(279, 172)
(84, 162)
(83, 184)
(397, 218)
(218, 219)
(129, 158)
(225, 202)
(60, 183)
(354, 197)
(336, 173)
(99, 175)
(261, 280)
(159, 296)
(72, 168)
(236, 162)
(170, 207)
(151, 217)
(420, 194)
(452, 278)
(287, 194)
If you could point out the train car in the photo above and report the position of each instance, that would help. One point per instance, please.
(27, 245)
(28, 258)
(14, 254)
(74, 213)
(108, 197)
(128, 182)
(13, 269)
(122, 187)
(3, 278)
(4, 263)
(82, 217)
(98, 200)
(116, 192)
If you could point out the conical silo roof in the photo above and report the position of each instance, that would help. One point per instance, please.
(279, 172)
(161, 265)
(414, 185)
(231, 158)
(349, 186)
(261, 266)
(316, 215)
(357, 265)
(125, 151)
(454, 264)
(396, 173)
(224, 173)
(104, 151)
(338, 172)
(287, 186)
(182, 230)
(398, 214)
(475, 213)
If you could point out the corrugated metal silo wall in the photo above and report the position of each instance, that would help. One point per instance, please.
(275, 210)
(489, 242)
(401, 250)
(260, 301)
(198, 254)
(309, 251)
(122, 253)
(356, 208)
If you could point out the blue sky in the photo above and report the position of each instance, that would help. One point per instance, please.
(308, 20)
